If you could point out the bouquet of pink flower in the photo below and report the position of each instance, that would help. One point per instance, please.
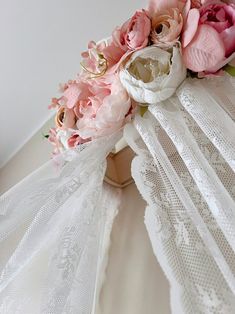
(143, 63)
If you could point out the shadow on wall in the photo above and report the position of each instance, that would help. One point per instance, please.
(31, 156)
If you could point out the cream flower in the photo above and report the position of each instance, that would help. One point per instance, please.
(152, 75)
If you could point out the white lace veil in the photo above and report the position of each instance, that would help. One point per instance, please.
(55, 227)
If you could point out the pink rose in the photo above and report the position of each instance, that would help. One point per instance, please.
(134, 33)
(166, 27)
(209, 36)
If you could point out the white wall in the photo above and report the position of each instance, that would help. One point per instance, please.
(31, 156)
(41, 43)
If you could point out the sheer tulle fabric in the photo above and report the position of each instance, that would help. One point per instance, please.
(55, 228)
(54, 236)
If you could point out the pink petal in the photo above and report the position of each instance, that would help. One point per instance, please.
(190, 28)
(218, 26)
(69, 118)
(71, 94)
(186, 10)
(230, 10)
(205, 51)
(220, 15)
(75, 92)
(228, 37)
(230, 60)
(161, 5)
(212, 75)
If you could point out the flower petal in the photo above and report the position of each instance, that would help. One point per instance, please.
(186, 9)
(223, 62)
(162, 84)
(228, 37)
(69, 118)
(161, 5)
(190, 27)
(205, 51)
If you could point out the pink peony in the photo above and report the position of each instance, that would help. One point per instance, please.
(74, 92)
(100, 58)
(166, 27)
(134, 33)
(106, 109)
(101, 107)
(209, 36)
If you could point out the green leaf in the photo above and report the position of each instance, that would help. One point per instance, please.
(45, 135)
(143, 110)
(230, 69)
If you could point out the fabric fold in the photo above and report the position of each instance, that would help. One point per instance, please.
(185, 237)
(64, 225)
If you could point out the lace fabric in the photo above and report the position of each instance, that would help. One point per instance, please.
(185, 174)
(55, 225)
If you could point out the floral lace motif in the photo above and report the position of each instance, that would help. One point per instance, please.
(62, 231)
(185, 175)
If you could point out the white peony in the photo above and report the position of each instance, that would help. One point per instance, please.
(152, 74)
